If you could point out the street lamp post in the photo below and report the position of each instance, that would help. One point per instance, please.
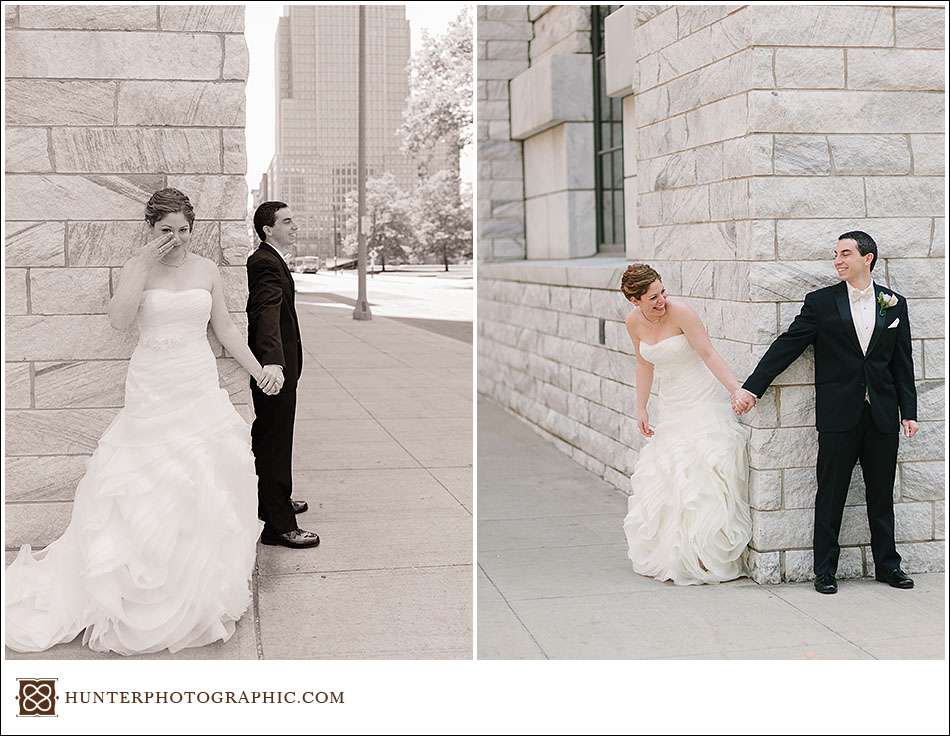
(361, 311)
(336, 240)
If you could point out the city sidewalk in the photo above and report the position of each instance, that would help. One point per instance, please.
(436, 301)
(554, 580)
(383, 455)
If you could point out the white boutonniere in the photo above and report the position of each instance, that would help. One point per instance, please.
(886, 301)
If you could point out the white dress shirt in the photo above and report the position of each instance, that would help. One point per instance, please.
(862, 314)
(280, 252)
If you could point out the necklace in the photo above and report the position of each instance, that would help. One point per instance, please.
(175, 265)
(652, 322)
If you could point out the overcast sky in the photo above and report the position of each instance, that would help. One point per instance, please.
(260, 27)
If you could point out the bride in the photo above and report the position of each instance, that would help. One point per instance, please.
(688, 516)
(161, 545)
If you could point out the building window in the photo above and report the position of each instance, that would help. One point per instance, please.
(608, 144)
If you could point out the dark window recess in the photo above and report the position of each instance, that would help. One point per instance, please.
(608, 144)
(602, 331)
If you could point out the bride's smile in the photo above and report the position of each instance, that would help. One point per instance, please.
(688, 517)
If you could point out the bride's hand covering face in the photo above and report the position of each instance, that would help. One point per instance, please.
(156, 248)
(171, 231)
(170, 217)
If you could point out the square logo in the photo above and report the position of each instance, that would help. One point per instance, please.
(37, 697)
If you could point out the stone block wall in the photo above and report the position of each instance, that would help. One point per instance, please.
(504, 32)
(558, 30)
(750, 150)
(845, 131)
(551, 113)
(105, 105)
(553, 349)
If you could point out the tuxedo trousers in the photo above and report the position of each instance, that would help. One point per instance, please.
(837, 454)
(272, 441)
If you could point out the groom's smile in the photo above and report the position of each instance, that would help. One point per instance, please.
(851, 265)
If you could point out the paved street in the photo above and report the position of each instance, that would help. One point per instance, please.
(554, 580)
(422, 296)
(383, 455)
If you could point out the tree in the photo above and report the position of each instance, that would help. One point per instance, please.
(390, 235)
(442, 217)
(439, 107)
(439, 113)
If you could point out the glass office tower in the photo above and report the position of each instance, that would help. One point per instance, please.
(316, 72)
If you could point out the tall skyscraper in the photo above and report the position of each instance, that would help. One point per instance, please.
(317, 57)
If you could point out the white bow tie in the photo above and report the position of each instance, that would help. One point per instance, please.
(859, 296)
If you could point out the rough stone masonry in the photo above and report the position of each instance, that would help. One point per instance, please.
(753, 136)
(105, 104)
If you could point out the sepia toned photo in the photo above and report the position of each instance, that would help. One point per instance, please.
(238, 351)
(711, 348)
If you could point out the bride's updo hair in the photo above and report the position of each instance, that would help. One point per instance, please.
(636, 280)
(168, 200)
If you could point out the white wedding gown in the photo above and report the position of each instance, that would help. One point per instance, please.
(688, 516)
(161, 545)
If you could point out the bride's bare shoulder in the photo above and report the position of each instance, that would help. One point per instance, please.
(686, 318)
(681, 310)
(205, 270)
(632, 320)
(207, 267)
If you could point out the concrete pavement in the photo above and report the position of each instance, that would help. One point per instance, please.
(554, 580)
(422, 296)
(383, 455)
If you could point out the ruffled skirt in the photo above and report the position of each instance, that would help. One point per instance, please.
(161, 545)
(688, 516)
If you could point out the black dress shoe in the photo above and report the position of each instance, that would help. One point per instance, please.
(896, 578)
(826, 584)
(299, 506)
(295, 539)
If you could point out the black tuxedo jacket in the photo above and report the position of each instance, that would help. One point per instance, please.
(273, 333)
(842, 371)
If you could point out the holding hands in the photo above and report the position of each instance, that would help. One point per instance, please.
(743, 401)
(271, 379)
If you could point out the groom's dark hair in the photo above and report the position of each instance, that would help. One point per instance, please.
(266, 214)
(865, 243)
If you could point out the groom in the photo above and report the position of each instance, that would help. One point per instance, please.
(864, 376)
(273, 335)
